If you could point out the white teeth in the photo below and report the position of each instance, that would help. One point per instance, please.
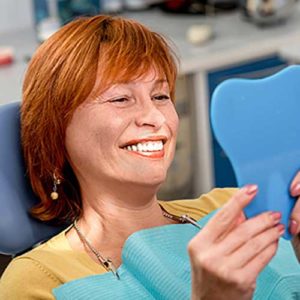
(151, 146)
(156, 146)
(146, 147)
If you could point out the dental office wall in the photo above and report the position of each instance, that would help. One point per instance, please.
(14, 15)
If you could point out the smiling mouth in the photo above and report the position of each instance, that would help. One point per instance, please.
(151, 149)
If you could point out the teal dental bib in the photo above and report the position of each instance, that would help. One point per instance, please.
(156, 266)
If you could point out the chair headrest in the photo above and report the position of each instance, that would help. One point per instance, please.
(18, 230)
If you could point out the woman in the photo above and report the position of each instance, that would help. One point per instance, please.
(99, 132)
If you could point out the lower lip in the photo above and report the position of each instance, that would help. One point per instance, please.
(156, 154)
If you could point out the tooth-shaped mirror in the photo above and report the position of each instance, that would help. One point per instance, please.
(257, 123)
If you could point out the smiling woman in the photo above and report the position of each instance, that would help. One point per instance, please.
(75, 66)
(99, 130)
(142, 136)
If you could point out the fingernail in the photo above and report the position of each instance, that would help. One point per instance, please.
(281, 229)
(293, 226)
(251, 189)
(276, 215)
(295, 190)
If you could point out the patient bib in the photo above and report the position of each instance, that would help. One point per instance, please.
(156, 266)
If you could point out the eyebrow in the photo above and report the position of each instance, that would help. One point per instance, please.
(160, 81)
(156, 82)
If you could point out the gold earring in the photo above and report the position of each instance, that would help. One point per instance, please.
(56, 182)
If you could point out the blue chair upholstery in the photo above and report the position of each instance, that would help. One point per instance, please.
(18, 230)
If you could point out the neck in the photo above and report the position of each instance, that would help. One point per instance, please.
(113, 216)
(108, 219)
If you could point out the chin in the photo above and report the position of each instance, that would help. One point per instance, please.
(148, 181)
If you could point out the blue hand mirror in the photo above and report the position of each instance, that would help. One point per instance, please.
(257, 123)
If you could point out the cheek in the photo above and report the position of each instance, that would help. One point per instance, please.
(82, 135)
(172, 121)
(77, 144)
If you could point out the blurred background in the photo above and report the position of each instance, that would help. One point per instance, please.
(215, 40)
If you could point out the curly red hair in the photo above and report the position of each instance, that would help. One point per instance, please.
(61, 76)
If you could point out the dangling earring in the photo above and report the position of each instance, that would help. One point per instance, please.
(56, 182)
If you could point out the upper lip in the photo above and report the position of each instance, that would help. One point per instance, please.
(146, 139)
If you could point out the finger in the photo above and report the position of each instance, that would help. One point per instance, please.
(229, 214)
(248, 230)
(294, 227)
(255, 246)
(259, 262)
(241, 218)
(247, 275)
(295, 219)
(295, 186)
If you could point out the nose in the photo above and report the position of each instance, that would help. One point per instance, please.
(150, 115)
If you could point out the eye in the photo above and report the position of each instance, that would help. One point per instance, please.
(121, 101)
(118, 100)
(162, 97)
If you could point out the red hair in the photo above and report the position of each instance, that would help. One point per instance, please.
(61, 76)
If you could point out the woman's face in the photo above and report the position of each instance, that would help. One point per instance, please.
(126, 135)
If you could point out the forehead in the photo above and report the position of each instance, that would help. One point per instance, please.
(151, 77)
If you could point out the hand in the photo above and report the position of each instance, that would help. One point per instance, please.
(294, 226)
(229, 252)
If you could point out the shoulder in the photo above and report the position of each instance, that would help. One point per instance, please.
(33, 274)
(26, 278)
(201, 206)
(44, 268)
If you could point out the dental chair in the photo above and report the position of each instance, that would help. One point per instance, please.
(19, 231)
